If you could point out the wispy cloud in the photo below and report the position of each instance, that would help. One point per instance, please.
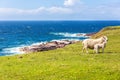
(60, 10)
(51, 10)
(31, 11)
(75, 9)
(8, 10)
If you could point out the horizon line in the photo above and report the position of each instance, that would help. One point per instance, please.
(60, 20)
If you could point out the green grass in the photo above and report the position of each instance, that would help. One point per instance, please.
(67, 63)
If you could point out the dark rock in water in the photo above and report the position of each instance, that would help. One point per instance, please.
(90, 34)
(48, 46)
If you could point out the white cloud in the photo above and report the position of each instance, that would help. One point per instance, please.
(106, 10)
(71, 2)
(60, 10)
(72, 9)
(31, 11)
(9, 11)
(56, 10)
(101, 12)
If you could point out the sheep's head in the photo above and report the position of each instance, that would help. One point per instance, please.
(105, 38)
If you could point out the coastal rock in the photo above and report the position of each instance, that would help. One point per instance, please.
(48, 46)
(24, 49)
(61, 45)
(90, 34)
(66, 42)
(53, 43)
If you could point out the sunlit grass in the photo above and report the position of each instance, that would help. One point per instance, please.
(67, 63)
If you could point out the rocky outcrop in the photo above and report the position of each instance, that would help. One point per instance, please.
(90, 34)
(47, 46)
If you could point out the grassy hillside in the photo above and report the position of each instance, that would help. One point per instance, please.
(68, 63)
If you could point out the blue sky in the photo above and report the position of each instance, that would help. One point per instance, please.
(59, 10)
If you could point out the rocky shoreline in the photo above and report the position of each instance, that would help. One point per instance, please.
(90, 34)
(50, 45)
(47, 46)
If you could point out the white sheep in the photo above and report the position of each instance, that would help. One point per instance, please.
(97, 47)
(90, 43)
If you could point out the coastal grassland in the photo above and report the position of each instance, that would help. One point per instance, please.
(67, 63)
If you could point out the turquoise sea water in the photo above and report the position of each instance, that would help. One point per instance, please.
(14, 34)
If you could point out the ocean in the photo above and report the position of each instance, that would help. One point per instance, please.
(16, 34)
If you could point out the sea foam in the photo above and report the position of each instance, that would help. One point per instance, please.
(12, 50)
(16, 50)
(66, 34)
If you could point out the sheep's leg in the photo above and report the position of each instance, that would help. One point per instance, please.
(86, 50)
(102, 50)
(97, 50)
(94, 50)
(83, 49)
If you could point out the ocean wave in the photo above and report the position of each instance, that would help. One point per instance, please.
(38, 43)
(16, 50)
(66, 39)
(66, 34)
(12, 50)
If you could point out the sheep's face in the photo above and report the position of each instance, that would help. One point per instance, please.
(105, 38)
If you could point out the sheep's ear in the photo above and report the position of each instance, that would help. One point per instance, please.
(105, 37)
